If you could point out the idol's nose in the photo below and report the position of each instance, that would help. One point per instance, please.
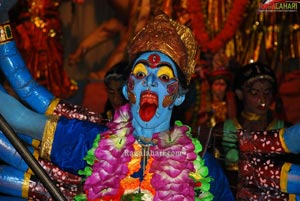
(150, 81)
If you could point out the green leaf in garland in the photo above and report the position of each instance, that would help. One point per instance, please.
(197, 144)
(203, 171)
(178, 123)
(205, 196)
(90, 156)
(80, 197)
(87, 171)
(205, 185)
(133, 197)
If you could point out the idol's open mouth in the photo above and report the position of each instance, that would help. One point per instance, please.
(148, 105)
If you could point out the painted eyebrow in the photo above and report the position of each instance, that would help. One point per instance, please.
(165, 64)
(142, 62)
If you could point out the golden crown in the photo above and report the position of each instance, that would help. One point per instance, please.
(169, 37)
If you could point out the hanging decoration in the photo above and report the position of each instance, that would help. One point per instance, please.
(38, 34)
(231, 25)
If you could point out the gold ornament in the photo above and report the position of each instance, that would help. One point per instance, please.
(168, 100)
(169, 37)
(251, 116)
(131, 97)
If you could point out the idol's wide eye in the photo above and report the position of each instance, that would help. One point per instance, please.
(140, 71)
(165, 73)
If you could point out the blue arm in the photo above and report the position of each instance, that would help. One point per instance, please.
(20, 79)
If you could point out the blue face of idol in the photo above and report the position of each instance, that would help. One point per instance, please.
(152, 91)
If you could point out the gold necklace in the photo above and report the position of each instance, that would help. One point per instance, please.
(251, 116)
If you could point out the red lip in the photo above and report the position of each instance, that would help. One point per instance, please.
(148, 105)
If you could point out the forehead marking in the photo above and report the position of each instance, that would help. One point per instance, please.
(154, 60)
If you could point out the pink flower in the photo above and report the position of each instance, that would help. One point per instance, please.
(171, 170)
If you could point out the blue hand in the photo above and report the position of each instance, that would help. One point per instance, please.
(20, 79)
(21, 118)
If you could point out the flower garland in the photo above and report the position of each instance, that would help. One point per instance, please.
(174, 164)
(198, 25)
(179, 163)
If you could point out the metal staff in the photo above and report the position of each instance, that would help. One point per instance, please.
(30, 160)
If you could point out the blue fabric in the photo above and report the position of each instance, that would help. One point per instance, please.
(2, 89)
(73, 138)
(9, 198)
(292, 138)
(219, 187)
(293, 184)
